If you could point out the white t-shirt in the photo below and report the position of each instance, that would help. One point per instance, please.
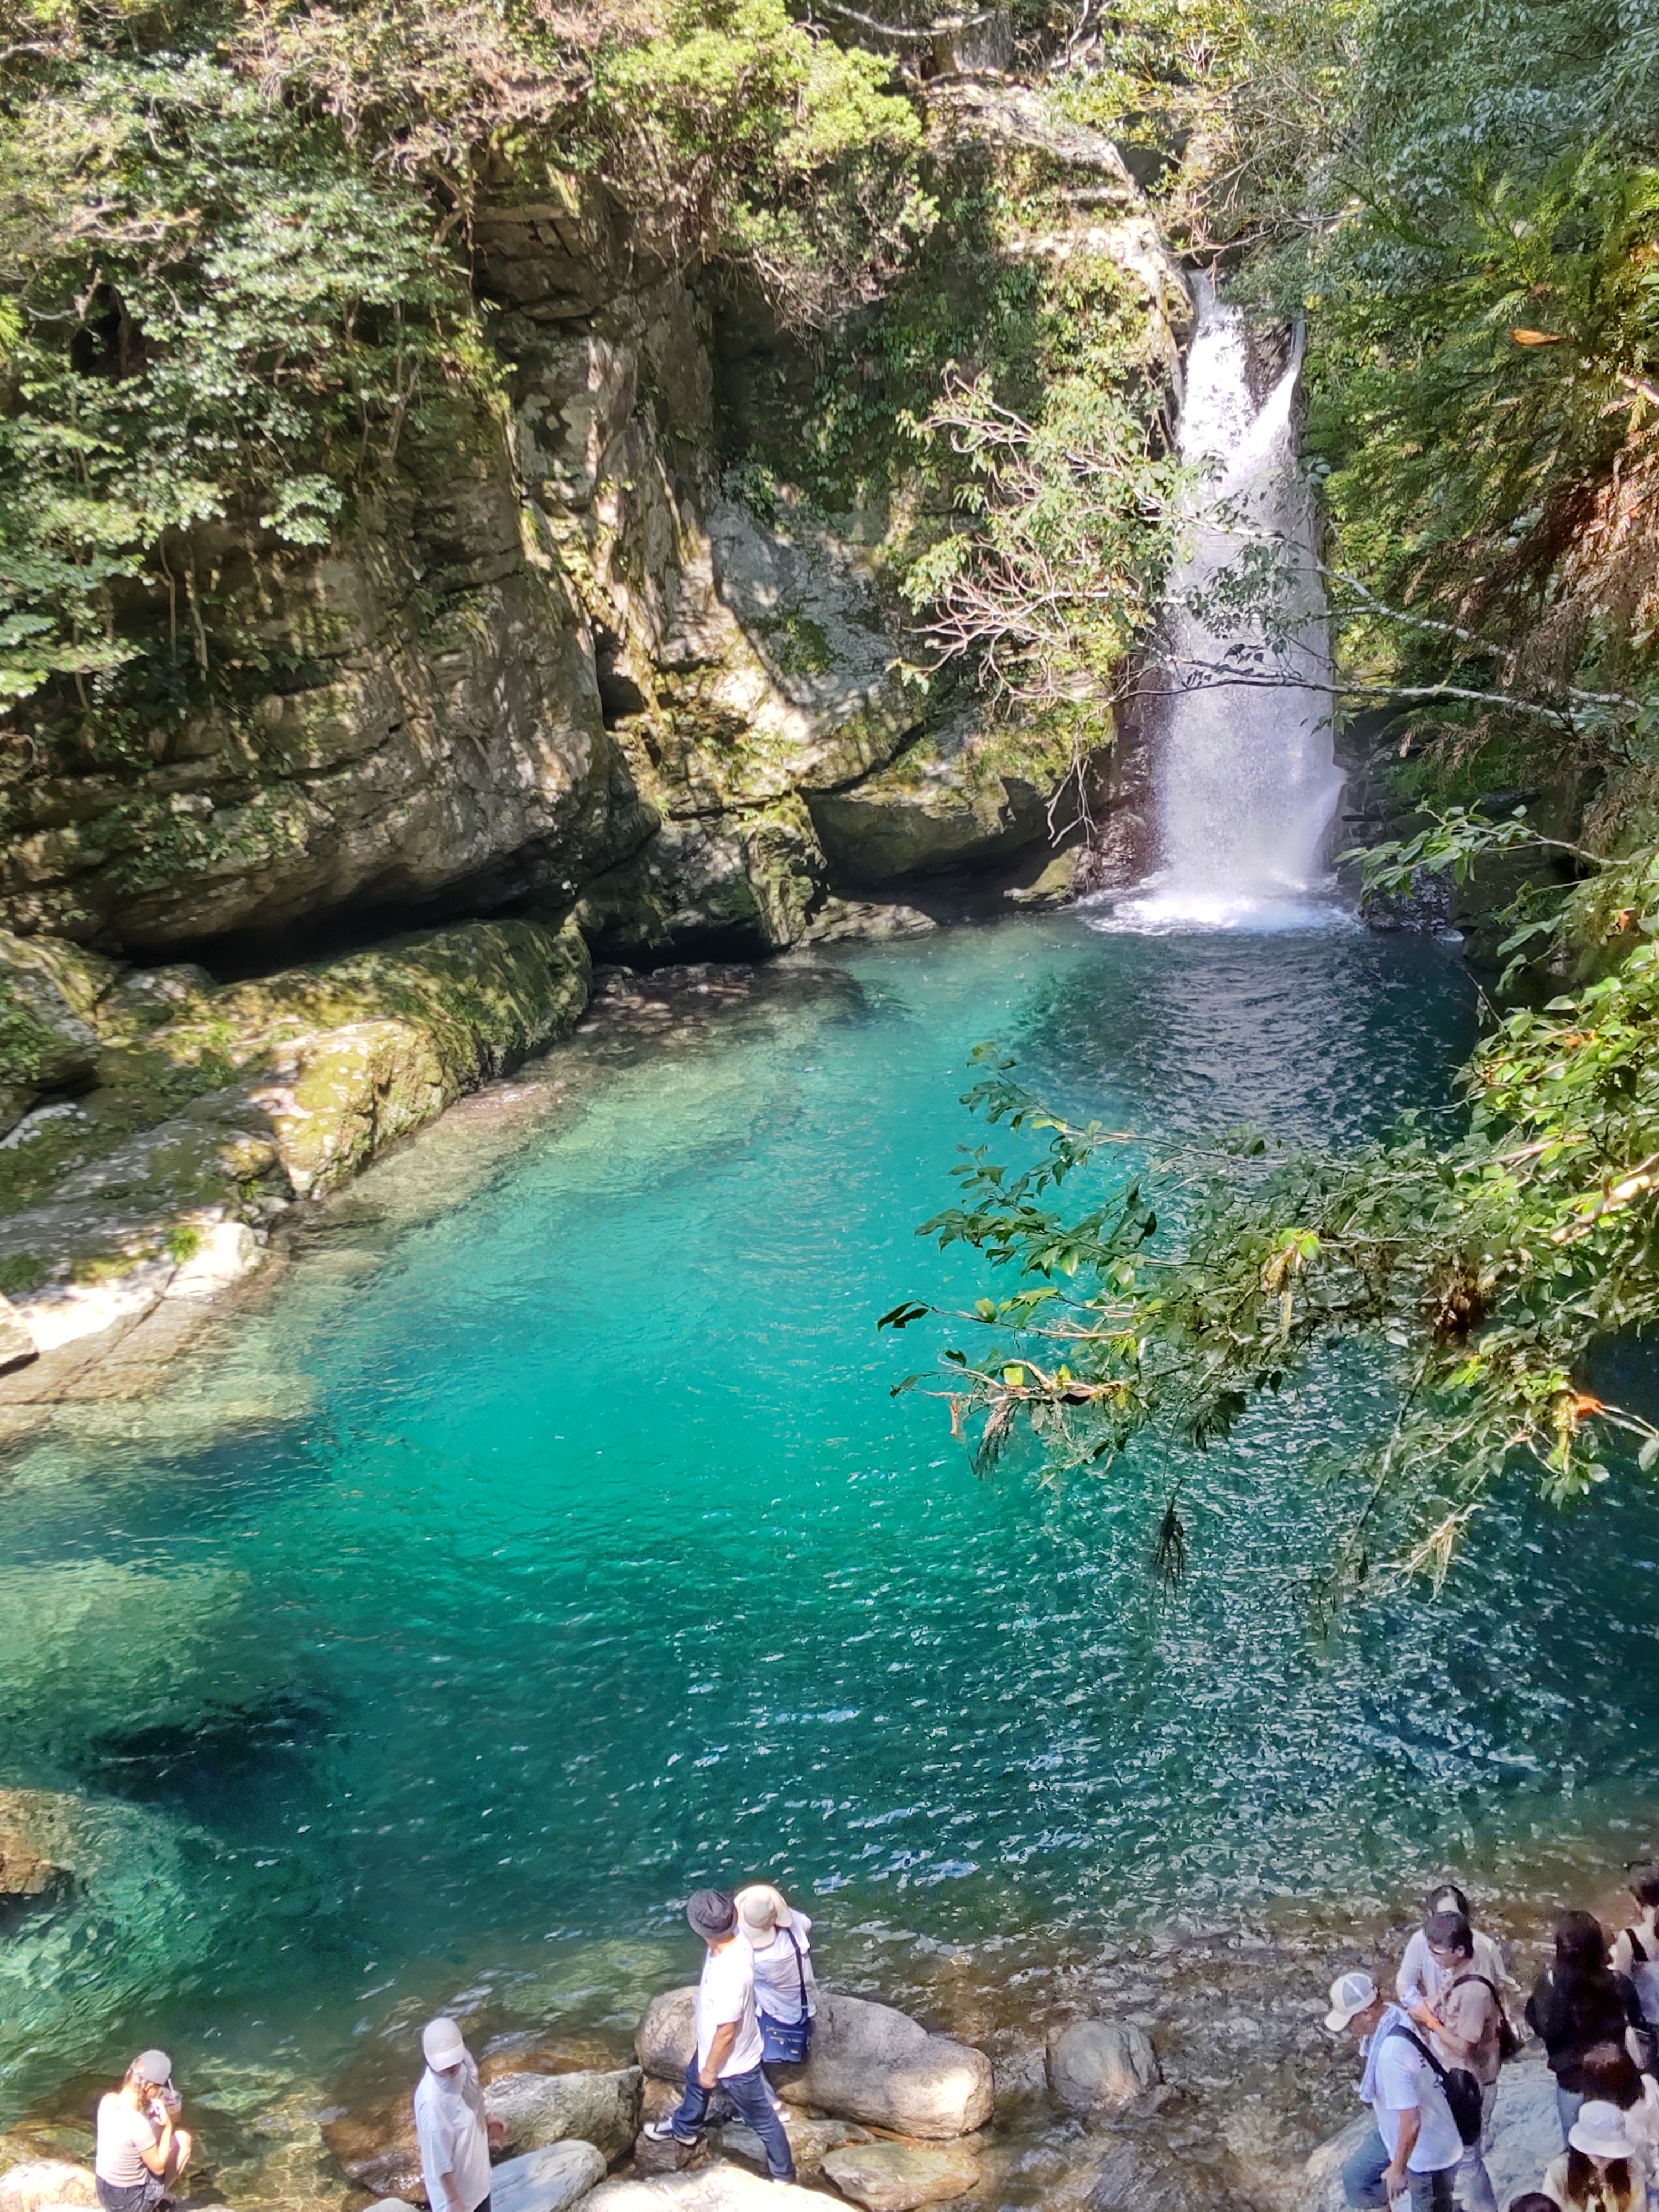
(1422, 1978)
(778, 1978)
(122, 2134)
(449, 2120)
(1404, 2080)
(725, 1993)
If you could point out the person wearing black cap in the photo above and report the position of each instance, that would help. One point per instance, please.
(728, 2049)
(141, 2152)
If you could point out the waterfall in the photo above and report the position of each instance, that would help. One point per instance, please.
(1245, 779)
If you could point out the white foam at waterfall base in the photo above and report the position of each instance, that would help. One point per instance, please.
(1247, 782)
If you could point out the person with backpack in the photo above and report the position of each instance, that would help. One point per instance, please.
(1579, 2002)
(786, 1995)
(1467, 2028)
(1418, 1983)
(1418, 2143)
(1636, 1952)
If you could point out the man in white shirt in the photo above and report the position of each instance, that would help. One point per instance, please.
(449, 2121)
(1415, 2144)
(728, 2049)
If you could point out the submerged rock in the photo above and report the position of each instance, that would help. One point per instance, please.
(39, 2183)
(893, 2176)
(1097, 2065)
(539, 2109)
(547, 2180)
(869, 2062)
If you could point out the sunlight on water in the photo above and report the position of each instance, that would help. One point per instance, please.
(568, 1547)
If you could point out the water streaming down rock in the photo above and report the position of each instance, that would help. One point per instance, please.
(1246, 781)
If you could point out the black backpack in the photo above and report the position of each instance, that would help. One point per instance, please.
(1462, 2090)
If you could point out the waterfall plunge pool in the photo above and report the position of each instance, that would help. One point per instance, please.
(568, 1549)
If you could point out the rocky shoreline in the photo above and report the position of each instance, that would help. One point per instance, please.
(1182, 2068)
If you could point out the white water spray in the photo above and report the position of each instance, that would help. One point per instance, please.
(1246, 777)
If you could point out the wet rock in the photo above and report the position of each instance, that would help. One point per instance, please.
(39, 2183)
(840, 921)
(539, 2109)
(1525, 2135)
(1097, 2065)
(16, 1339)
(893, 2176)
(547, 2180)
(27, 1876)
(716, 2187)
(869, 2062)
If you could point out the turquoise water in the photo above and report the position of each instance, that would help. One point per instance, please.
(591, 1559)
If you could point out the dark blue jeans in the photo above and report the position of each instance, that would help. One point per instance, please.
(1361, 2181)
(752, 2102)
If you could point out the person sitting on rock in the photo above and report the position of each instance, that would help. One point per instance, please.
(1601, 2170)
(786, 1994)
(142, 2151)
(1415, 2144)
(728, 2051)
(1421, 1977)
(450, 2124)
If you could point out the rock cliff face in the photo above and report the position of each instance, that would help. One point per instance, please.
(561, 672)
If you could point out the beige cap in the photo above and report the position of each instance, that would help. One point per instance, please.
(762, 1911)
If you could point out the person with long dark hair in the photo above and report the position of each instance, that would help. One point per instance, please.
(1601, 2170)
(1579, 2002)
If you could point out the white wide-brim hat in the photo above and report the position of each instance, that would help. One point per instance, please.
(1600, 2132)
(762, 1911)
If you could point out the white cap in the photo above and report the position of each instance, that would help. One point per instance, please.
(1350, 1994)
(442, 2044)
(1600, 2132)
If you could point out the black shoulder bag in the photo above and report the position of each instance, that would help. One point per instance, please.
(1462, 2090)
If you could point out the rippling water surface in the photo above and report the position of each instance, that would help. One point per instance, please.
(586, 1556)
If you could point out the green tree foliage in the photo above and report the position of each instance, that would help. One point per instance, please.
(237, 277)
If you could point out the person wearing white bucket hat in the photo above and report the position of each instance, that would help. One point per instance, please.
(1415, 2144)
(1601, 2169)
(450, 2124)
(786, 1993)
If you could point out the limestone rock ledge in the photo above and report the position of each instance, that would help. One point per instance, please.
(214, 1110)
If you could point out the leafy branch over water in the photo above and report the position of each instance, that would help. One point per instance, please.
(1484, 1272)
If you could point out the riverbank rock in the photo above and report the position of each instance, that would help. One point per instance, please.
(810, 2141)
(869, 2062)
(1525, 2135)
(43, 2182)
(891, 2176)
(547, 2180)
(539, 2109)
(714, 2188)
(1097, 2065)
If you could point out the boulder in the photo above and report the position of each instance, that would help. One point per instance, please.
(1525, 2135)
(1097, 2065)
(27, 1876)
(714, 2188)
(869, 2062)
(811, 2141)
(16, 1339)
(391, 2204)
(45, 1041)
(894, 2177)
(42, 2181)
(547, 2180)
(539, 2109)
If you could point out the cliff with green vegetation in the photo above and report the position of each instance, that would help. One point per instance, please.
(478, 471)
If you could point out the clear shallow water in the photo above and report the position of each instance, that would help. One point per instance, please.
(594, 1558)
